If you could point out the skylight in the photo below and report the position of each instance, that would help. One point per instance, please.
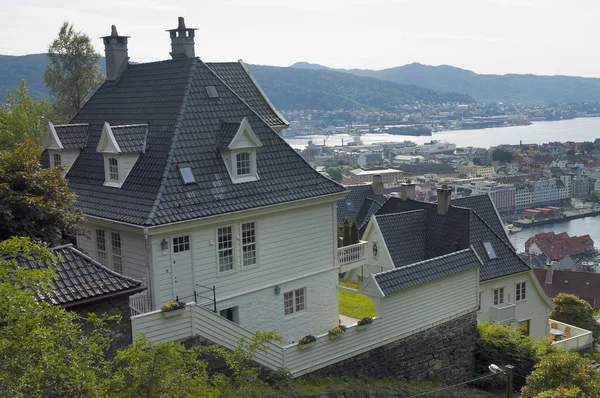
(186, 174)
(349, 206)
(490, 250)
(211, 91)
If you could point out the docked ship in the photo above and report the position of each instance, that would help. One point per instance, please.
(412, 129)
(510, 228)
(436, 147)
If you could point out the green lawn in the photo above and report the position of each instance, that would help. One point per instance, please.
(355, 305)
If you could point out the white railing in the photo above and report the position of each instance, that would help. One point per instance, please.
(139, 303)
(502, 312)
(352, 254)
(579, 340)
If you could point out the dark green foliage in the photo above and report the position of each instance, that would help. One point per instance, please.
(594, 196)
(34, 201)
(335, 172)
(575, 311)
(502, 155)
(293, 88)
(564, 375)
(354, 238)
(477, 161)
(346, 233)
(571, 152)
(502, 345)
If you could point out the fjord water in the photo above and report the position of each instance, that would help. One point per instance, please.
(581, 129)
(578, 227)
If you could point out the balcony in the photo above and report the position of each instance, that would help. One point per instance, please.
(502, 312)
(573, 338)
(352, 256)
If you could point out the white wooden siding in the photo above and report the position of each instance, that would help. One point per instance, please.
(534, 307)
(290, 244)
(159, 329)
(374, 264)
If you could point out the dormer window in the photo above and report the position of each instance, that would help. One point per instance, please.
(238, 145)
(243, 164)
(121, 147)
(56, 160)
(113, 169)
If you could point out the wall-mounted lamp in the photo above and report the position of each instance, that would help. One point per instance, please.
(164, 245)
(277, 289)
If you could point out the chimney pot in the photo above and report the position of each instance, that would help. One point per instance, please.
(116, 53)
(549, 272)
(444, 197)
(182, 41)
(407, 190)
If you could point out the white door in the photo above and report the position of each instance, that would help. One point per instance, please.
(183, 279)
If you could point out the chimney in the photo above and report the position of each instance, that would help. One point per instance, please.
(407, 191)
(115, 51)
(182, 41)
(377, 184)
(549, 271)
(444, 194)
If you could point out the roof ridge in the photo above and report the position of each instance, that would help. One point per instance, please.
(162, 187)
(429, 260)
(399, 212)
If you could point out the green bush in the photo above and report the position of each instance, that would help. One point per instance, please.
(503, 345)
(575, 311)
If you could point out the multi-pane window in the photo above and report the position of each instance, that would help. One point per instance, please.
(117, 252)
(225, 248)
(57, 159)
(248, 244)
(524, 327)
(243, 163)
(181, 244)
(113, 169)
(294, 301)
(520, 291)
(101, 246)
(499, 296)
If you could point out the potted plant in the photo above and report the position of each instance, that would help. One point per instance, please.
(336, 332)
(172, 308)
(305, 341)
(363, 323)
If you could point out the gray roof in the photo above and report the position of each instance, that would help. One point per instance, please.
(356, 203)
(80, 278)
(404, 235)
(72, 136)
(241, 81)
(426, 271)
(484, 207)
(459, 229)
(184, 125)
(131, 138)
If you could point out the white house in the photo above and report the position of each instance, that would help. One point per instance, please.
(186, 183)
(405, 232)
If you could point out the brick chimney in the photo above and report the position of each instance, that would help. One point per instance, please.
(115, 51)
(444, 194)
(182, 41)
(377, 184)
(407, 191)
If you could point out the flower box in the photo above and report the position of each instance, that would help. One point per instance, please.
(304, 346)
(306, 341)
(172, 308)
(336, 332)
(171, 313)
(362, 327)
(364, 323)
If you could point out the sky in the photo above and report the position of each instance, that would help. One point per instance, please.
(545, 37)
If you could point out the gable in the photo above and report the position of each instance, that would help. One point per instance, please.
(51, 140)
(108, 142)
(244, 137)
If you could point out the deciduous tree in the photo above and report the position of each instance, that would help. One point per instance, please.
(575, 311)
(73, 71)
(22, 118)
(34, 201)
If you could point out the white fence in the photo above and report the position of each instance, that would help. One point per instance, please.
(139, 303)
(298, 360)
(351, 256)
(579, 340)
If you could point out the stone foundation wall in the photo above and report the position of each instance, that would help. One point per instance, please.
(443, 353)
(120, 331)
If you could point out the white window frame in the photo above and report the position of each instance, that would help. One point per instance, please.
(111, 172)
(501, 300)
(243, 164)
(112, 256)
(520, 291)
(297, 305)
(220, 250)
(230, 158)
(56, 155)
(183, 244)
(244, 245)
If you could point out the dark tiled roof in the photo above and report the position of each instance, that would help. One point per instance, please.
(131, 138)
(369, 208)
(484, 207)
(227, 132)
(239, 79)
(426, 271)
(184, 125)
(352, 205)
(81, 278)
(404, 235)
(72, 136)
(459, 229)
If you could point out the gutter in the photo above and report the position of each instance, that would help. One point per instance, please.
(128, 292)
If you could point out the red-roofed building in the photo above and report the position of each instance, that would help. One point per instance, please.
(585, 285)
(558, 246)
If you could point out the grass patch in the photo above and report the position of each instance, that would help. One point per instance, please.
(355, 305)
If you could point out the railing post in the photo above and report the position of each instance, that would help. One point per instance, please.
(214, 299)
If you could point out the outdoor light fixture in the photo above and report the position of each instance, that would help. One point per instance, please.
(277, 289)
(164, 245)
(508, 372)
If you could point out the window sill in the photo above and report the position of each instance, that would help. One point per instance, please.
(249, 178)
(113, 184)
(249, 267)
(223, 274)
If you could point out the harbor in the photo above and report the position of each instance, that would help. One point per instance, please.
(567, 215)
